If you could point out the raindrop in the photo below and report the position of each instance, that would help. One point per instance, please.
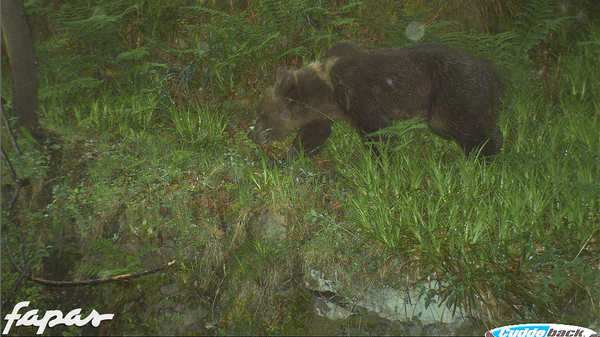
(415, 31)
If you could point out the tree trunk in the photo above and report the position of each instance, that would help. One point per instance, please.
(23, 67)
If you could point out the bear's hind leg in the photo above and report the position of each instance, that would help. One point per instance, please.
(494, 143)
(470, 139)
(469, 136)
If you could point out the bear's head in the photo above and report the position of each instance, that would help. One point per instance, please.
(281, 110)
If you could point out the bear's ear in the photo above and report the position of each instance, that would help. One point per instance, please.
(285, 82)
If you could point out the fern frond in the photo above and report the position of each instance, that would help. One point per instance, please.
(134, 55)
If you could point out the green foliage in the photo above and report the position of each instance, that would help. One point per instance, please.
(125, 114)
(205, 126)
(156, 160)
(228, 48)
(477, 223)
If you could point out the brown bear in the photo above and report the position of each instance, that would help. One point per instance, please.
(456, 92)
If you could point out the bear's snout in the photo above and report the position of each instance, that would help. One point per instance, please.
(258, 135)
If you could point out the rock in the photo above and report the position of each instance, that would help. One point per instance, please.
(268, 225)
(413, 306)
(329, 309)
(170, 289)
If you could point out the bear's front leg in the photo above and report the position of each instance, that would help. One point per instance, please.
(310, 138)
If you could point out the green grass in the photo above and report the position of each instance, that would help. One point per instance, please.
(485, 227)
(156, 166)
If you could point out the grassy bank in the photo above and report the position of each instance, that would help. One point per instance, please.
(156, 167)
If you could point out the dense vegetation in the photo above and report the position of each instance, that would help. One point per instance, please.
(151, 101)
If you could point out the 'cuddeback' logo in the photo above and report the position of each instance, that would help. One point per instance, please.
(541, 330)
(51, 318)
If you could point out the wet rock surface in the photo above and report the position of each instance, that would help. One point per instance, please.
(409, 310)
(268, 225)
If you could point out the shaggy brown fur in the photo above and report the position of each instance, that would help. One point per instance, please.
(456, 92)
